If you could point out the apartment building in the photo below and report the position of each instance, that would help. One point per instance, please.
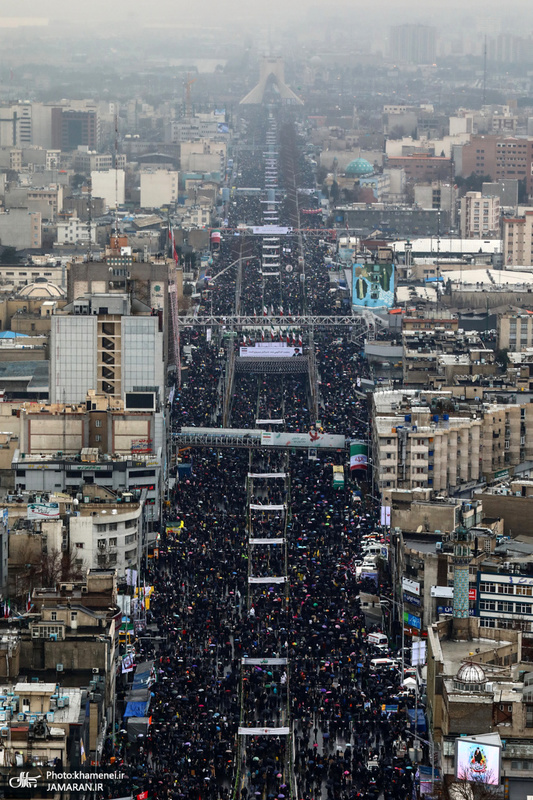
(480, 216)
(86, 161)
(106, 534)
(499, 156)
(415, 444)
(514, 331)
(518, 240)
(413, 43)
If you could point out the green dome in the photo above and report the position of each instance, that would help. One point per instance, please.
(359, 167)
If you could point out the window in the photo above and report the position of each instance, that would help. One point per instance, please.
(131, 537)
(113, 542)
(97, 438)
(522, 608)
(524, 591)
(101, 528)
(130, 523)
(73, 616)
(53, 616)
(487, 605)
(113, 526)
(79, 545)
(529, 715)
(506, 588)
(98, 423)
(486, 586)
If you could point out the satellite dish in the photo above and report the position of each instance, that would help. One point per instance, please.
(419, 529)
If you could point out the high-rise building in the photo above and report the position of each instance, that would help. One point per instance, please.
(71, 128)
(414, 44)
(102, 346)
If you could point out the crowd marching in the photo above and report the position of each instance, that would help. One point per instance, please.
(212, 627)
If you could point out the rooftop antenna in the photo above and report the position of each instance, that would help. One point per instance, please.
(485, 70)
(116, 173)
(90, 218)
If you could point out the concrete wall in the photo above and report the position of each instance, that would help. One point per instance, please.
(517, 512)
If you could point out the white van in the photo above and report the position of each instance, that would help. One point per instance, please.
(384, 663)
(375, 550)
(378, 640)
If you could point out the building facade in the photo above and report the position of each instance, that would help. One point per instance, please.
(518, 240)
(480, 216)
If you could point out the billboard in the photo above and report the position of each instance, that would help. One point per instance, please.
(312, 439)
(275, 350)
(373, 285)
(477, 761)
(411, 586)
(43, 511)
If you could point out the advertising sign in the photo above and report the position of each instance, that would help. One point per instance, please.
(311, 439)
(373, 285)
(275, 350)
(411, 598)
(472, 593)
(411, 620)
(477, 761)
(385, 516)
(444, 609)
(442, 591)
(43, 511)
(411, 586)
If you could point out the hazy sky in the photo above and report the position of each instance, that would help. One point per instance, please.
(276, 12)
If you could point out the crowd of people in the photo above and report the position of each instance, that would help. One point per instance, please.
(266, 688)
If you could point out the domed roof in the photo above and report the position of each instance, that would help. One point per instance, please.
(471, 673)
(40, 289)
(359, 167)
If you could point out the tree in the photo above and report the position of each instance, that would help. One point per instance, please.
(57, 566)
(9, 256)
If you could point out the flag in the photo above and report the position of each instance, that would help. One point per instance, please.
(288, 337)
(262, 335)
(265, 311)
(271, 310)
(255, 314)
(271, 334)
(28, 603)
(173, 245)
(300, 340)
(281, 311)
(244, 340)
(280, 335)
(142, 796)
(358, 455)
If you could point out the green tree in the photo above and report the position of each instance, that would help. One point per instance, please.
(9, 256)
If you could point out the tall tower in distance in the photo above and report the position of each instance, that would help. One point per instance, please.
(462, 556)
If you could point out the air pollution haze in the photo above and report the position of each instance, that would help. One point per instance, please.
(276, 15)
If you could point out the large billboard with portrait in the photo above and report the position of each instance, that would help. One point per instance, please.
(373, 285)
(477, 762)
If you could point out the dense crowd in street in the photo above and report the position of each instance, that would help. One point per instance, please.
(317, 679)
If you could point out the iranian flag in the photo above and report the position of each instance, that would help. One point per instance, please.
(173, 245)
(358, 455)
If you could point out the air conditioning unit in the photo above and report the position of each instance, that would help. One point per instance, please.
(4, 733)
(60, 702)
(21, 716)
(59, 667)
